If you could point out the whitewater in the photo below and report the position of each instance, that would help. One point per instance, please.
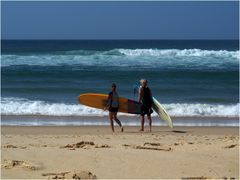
(20, 106)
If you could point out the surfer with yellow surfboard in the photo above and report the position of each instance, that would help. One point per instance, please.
(112, 106)
(126, 105)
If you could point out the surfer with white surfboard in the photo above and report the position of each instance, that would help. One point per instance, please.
(145, 97)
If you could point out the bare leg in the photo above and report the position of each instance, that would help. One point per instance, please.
(150, 123)
(142, 123)
(118, 121)
(111, 120)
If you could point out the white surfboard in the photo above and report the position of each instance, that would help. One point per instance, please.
(162, 113)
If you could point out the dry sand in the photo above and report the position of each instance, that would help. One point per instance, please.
(94, 152)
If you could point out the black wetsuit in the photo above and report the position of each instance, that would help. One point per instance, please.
(147, 101)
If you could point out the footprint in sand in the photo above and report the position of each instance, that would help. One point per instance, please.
(230, 146)
(152, 148)
(149, 146)
(9, 164)
(84, 145)
(71, 175)
(177, 131)
(13, 146)
(102, 146)
(10, 146)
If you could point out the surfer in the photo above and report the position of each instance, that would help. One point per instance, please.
(112, 106)
(145, 97)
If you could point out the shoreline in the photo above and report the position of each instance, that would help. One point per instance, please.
(106, 130)
(32, 120)
(130, 116)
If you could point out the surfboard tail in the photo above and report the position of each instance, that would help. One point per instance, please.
(162, 113)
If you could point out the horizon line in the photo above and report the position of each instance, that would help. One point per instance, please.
(117, 39)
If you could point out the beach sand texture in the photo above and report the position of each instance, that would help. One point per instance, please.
(94, 152)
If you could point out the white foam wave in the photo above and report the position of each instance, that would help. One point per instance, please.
(198, 109)
(126, 57)
(19, 106)
(180, 53)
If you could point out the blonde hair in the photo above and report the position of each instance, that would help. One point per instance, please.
(143, 82)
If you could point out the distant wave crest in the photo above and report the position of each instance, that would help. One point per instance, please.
(180, 53)
(120, 57)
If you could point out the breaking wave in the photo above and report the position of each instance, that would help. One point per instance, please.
(21, 106)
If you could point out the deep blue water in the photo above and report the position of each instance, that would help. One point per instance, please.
(45, 46)
(192, 73)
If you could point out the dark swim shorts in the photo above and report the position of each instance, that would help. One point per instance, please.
(146, 110)
(113, 109)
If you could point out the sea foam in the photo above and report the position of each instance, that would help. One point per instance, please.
(20, 106)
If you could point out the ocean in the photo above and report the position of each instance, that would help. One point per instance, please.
(196, 80)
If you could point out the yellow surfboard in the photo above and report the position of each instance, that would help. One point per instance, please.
(100, 101)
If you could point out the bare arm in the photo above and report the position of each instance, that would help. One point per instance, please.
(140, 94)
(108, 101)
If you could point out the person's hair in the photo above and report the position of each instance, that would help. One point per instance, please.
(114, 85)
(143, 82)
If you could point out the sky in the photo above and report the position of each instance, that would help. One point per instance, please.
(120, 20)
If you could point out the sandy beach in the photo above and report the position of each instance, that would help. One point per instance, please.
(95, 152)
